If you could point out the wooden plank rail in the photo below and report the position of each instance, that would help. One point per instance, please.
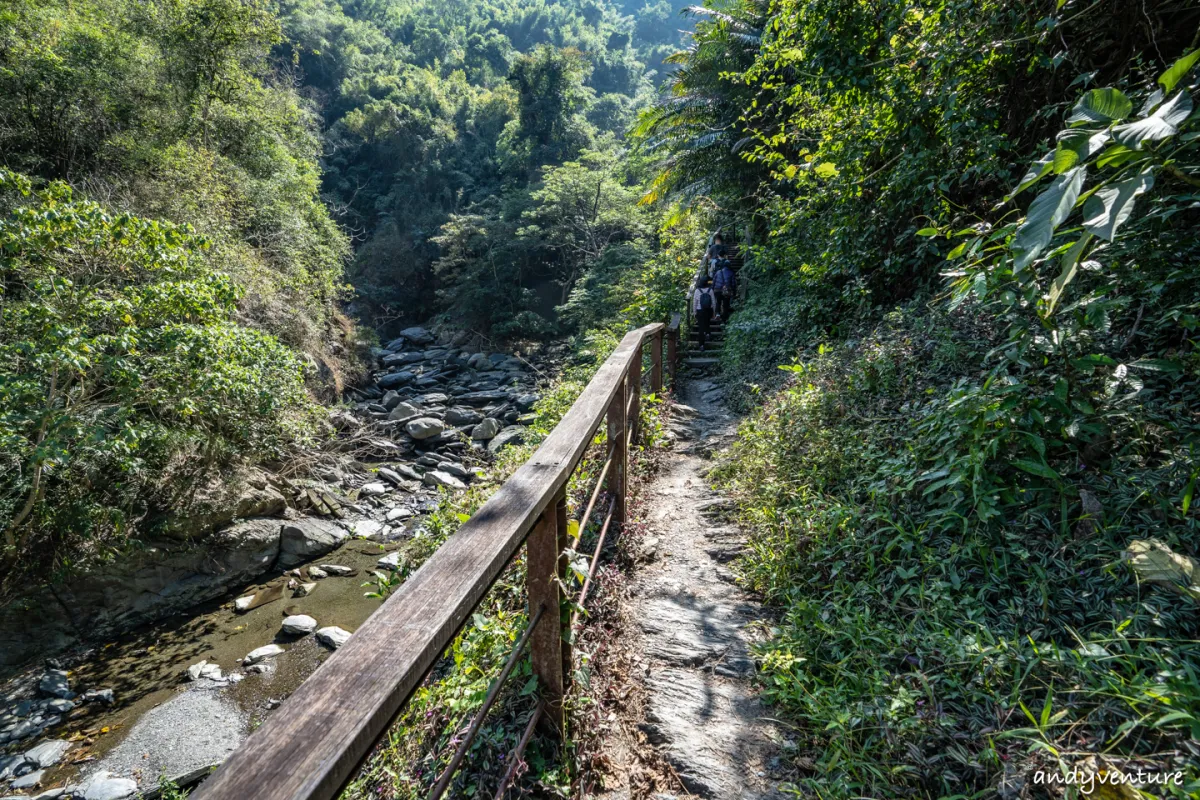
(309, 748)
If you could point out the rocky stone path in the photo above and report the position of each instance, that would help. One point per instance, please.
(693, 625)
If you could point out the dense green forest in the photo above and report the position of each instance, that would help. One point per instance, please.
(965, 346)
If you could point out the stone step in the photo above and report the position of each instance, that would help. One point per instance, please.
(702, 361)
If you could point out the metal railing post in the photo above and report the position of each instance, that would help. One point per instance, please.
(564, 541)
(635, 391)
(542, 572)
(616, 441)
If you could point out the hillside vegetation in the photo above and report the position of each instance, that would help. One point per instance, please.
(969, 343)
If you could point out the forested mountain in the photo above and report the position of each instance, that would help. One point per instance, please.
(447, 128)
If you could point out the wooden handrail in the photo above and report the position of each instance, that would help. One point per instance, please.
(309, 748)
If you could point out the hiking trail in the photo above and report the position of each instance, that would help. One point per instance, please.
(689, 627)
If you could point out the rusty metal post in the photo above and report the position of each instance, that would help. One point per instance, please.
(616, 441)
(673, 356)
(656, 363)
(542, 564)
(635, 390)
(564, 541)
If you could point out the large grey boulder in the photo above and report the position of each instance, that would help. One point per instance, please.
(307, 538)
(479, 361)
(424, 428)
(54, 684)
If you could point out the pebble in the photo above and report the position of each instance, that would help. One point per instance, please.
(338, 570)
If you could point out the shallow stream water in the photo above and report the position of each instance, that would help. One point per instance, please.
(162, 724)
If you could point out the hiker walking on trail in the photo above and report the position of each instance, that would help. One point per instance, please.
(703, 303)
(715, 252)
(724, 287)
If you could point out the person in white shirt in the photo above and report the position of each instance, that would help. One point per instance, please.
(703, 304)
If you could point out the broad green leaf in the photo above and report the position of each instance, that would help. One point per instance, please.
(1116, 156)
(1034, 468)
(1188, 493)
(1075, 146)
(1180, 68)
(1070, 265)
(826, 170)
(1110, 206)
(1046, 213)
(1101, 105)
(956, 252)
(1158, 365)
(1152, 102)
(1038, 170)
(927, 232)
(1162, 124)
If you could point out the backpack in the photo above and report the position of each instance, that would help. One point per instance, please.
(705, 300)
(728, 281)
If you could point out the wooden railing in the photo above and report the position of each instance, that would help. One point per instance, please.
(310, 747)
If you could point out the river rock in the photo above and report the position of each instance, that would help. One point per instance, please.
(29, 781)
(262, 654)
(299, 625)
(306, 538)
(48, 753)
(457, 470)
(486, 430)
(513, 434)
(483, 398)
(526, 401)
(398, 513)
(58, 705)
(9, 764)
(205, 670)
(373, 489)
(435, 477)
(424, 427)
(316, 573)
(339, 570)
(461, 415)
(104, 696)
(365, 529)
(243, 604)
(333, 637)
(54, 683)
(103, 786)
(394, 379)
(304, 590)
(390, 561)
(404, 412)
(417, 335)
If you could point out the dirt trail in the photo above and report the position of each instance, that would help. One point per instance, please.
(690, 626)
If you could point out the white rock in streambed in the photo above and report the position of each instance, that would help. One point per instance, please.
(48, 753)
(299, 625)
(262, 654)
(333, 637)
(103, 786)
(390, 561)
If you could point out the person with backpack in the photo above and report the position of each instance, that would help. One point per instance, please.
(703, 304)
(715, 252)
(724, 287)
